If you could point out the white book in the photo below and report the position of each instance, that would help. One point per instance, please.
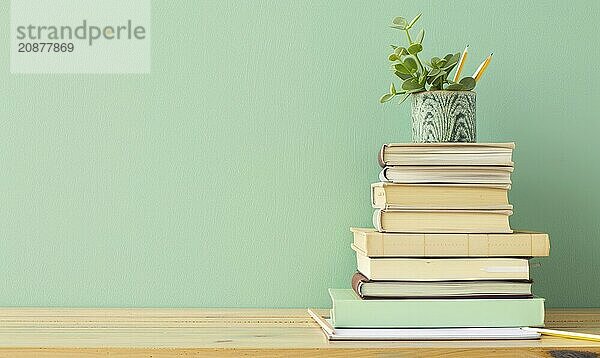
(420, 334)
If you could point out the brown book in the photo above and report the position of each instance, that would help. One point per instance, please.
(496, 154)
(368, 289)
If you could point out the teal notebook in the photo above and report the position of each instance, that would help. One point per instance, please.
(349, 311)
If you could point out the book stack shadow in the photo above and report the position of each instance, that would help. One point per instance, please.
(442, 261)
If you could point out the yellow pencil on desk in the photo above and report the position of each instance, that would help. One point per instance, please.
(481, 69)
(565, 334)
(461, 63)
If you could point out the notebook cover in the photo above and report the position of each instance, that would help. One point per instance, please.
(349, 311)
(420, 334)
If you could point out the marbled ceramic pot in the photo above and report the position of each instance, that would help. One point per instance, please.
(443, 116)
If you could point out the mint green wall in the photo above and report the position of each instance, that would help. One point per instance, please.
(231, 174)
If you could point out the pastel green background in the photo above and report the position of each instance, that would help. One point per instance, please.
(231, 174)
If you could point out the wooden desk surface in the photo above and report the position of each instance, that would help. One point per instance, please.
(42, 332)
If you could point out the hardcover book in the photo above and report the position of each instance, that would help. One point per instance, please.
(518, 244)
(349, 311)
(368, 289)
(442, 269)
(447, 175)
(498, 154)
(442, 221)
(440, 196)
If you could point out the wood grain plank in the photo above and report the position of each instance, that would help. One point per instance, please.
(268, 353)
(135, 332)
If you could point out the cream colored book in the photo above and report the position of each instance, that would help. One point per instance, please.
(440, 196)
(499, 154)
(442, 269)
(442, 221)
(447, 174)
(518, 244)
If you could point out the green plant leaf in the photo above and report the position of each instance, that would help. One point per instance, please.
(392, 57)
(414, 21)
(406, 95)
(423, 79)
(386, 97)
(434, 72)
(399, 20)
(410, 64)
(449, 68)
(468, 82)
(393, 47)
(400, 67)
(455, 87)
(441, 80)
(403, 76)
(438, 81)
(411, 84)
(421, 36)
(392, 89)
(400, 23)
(442, 74)
(450, 62)
(453, 60)
(399, 51)
(415, 48)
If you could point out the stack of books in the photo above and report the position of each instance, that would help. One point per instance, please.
(442, 260)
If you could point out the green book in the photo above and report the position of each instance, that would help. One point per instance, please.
(349, 311)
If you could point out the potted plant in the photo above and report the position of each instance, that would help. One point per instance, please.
(443, 107)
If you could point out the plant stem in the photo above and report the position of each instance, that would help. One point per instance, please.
(416, 56)
(409, 39)
(420, 64)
